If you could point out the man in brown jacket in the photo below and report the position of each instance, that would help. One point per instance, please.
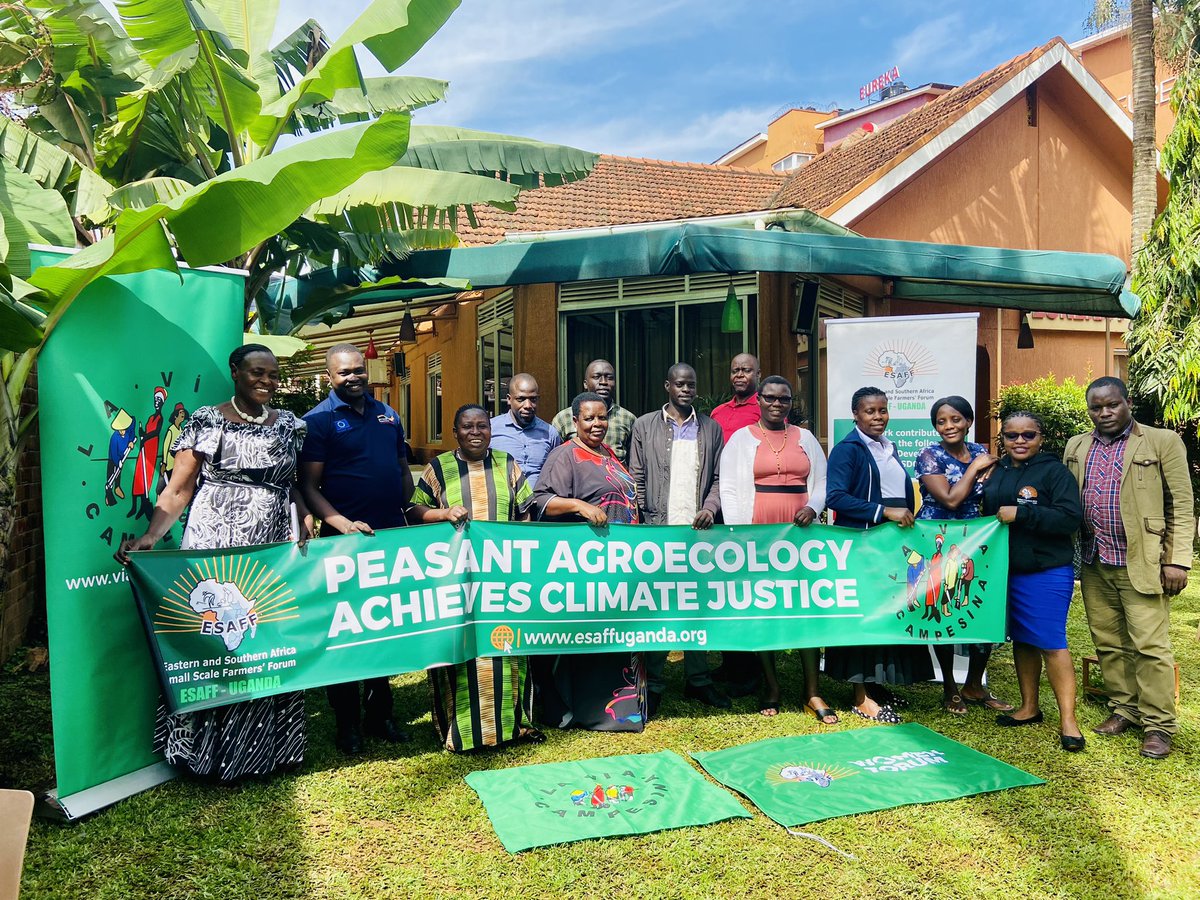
(1136, 544)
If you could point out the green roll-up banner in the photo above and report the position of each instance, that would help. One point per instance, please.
(128, 360)
(227, 625)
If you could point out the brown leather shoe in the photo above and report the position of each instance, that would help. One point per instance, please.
(1113, 725)
(1156, 745)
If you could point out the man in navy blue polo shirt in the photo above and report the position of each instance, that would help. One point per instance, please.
(354, 477)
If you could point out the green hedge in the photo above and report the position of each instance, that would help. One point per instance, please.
(1061, 406)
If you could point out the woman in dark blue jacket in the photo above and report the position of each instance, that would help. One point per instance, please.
(867, 485)
(1039, 498)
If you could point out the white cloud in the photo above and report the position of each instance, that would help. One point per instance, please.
(948, 43)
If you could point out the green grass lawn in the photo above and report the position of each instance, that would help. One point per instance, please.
(402, 822)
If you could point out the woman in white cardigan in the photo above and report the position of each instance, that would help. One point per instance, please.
(773, 472)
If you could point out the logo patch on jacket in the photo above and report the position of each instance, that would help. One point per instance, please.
(1028, 495)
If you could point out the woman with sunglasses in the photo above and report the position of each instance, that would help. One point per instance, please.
(1035, 494)
(772, 473)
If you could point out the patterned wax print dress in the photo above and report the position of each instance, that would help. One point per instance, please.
(488, 701)
(242, 498)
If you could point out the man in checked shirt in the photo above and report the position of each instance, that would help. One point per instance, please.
(1136, 545)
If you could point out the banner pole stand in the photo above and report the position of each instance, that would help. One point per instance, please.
(85, 802)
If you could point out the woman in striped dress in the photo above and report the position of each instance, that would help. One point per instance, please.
(488, 701)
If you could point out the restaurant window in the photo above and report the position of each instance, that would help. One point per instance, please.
(644, 325)
(494, 320)
(433, 388)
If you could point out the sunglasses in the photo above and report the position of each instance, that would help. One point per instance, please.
(1020, 435)
(775, 401)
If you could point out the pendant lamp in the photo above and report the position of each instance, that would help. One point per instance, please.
(731, 313)
(408, 328)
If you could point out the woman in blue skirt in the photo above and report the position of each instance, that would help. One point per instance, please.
(1035, 494)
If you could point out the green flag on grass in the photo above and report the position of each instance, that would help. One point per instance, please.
(802, 779)
(554, 803)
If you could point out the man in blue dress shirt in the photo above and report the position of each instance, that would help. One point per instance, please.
(354, 476)
(520, 433)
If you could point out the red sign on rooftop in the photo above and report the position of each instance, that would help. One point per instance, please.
(878, 84)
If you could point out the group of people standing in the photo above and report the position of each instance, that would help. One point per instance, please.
(1124, 491)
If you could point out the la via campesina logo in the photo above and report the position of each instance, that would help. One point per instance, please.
(900, 362)
(226, 598)
(601, 797)
(807, 773)
(614, 793)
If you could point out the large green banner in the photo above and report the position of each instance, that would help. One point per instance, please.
(233, 624)
(130, 358)
(806, 778)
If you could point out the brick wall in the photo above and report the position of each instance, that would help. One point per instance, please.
(24, 596)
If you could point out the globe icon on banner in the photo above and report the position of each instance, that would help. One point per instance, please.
(502, 638)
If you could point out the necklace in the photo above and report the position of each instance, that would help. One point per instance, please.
(777, 453)
(246, 417)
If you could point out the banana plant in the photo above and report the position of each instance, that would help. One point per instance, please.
(175, 130)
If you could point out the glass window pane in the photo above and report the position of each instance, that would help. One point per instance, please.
(647, 351)
(708, 350)
(487, 372)
(591, 335)
(435, 407)
(505, 340)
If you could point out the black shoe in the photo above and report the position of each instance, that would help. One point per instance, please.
(385, 730)
(1072, 744)
(706, 694)
(349, 740)
(653, 702)
(1007, 721)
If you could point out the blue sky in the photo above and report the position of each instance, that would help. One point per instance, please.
(690, 80)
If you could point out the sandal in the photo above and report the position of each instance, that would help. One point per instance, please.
(990, 701)
(770, 707)
(821, 713)
(954, 705)
(886, 715)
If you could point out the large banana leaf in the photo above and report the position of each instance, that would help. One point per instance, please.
(20, 323)
(216, 221)
(391, 30)
(249, 25)
(350, 105)
(83, 32)
(523, 161)
(41, 212)
(161, 28)
(145, 193)
(418, 187)
(86, 192)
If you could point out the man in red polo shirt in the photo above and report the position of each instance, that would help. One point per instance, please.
(742, 410)
(740, 671)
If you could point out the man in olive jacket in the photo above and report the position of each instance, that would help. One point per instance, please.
(674, 457)
(1136, 546)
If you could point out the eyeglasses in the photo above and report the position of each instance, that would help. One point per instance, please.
(1020, 435)
(775, 401)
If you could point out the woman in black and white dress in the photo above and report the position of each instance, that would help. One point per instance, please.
(236, 464)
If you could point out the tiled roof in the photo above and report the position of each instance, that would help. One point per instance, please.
(623, 191)
(831, 175)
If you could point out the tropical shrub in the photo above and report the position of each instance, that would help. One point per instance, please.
(1062, 407)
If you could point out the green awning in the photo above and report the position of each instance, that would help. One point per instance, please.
(1033, 280)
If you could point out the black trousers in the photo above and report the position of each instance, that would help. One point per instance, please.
(376, 701)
